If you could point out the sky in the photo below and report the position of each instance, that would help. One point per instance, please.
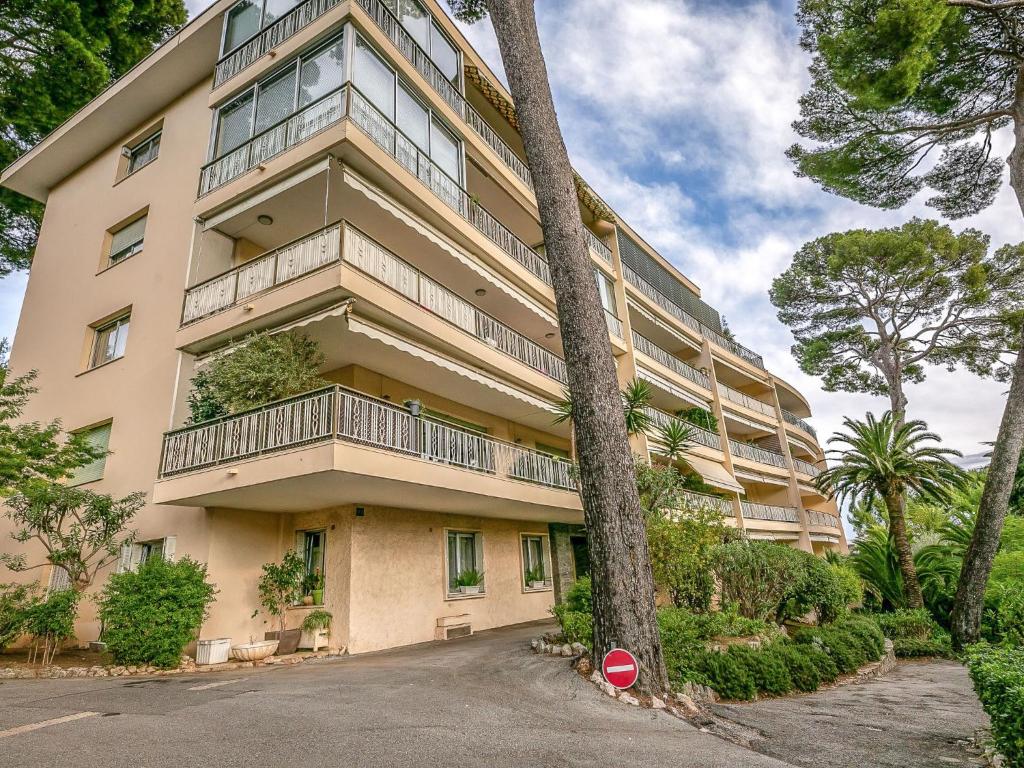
(678, 113)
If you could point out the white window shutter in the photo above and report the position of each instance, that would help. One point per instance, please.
(169, 543)
(136, 558)
(125, 561)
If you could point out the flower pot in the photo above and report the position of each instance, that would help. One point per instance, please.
(318, 596)
(213, 651)
(315, 639)
(307, 599)
(470, 590)
(254, 651)
(537, 585)
(289, 642)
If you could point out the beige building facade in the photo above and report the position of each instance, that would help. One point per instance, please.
(351, 169)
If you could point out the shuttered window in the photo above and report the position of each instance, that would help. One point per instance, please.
(99, 437)
(127, 241)
(134, 554)
(60, 579)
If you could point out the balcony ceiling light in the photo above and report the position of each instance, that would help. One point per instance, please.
(265, 220)
(549, 335)
(480, 291)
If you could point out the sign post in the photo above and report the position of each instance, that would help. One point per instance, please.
(620, 668)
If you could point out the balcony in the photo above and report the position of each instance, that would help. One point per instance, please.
(741, 398)
(755, 511)
(670, 361)
(597, 247)
(272, 36)
(336, 446)
(724, 506)
(806, 468)
(796, 421)
(700, 435)
(814, 517)
(757, 454)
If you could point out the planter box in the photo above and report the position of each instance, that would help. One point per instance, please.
(289, 643)
(213, 651)
(315, 640)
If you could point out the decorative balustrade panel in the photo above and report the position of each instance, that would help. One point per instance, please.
(742, 398)
(614, 324)
(597, 246)
(814, 517)
(755, 511)
(755, 453)
(705, 500)
(667, 359)
(806, 468)
(700, 435)
(796, 421)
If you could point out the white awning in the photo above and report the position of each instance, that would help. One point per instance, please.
(667, 386)
(757, 477)
(714, 474)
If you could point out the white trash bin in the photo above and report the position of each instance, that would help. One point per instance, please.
(213, 651)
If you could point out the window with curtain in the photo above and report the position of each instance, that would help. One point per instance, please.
(127, 241)
(375, 79)
(464, 554)
(110, 341)
(311, 547)
(321, 72)
(535, 560)
(99, 438)
(607, 291)
(444, 150)
(234, 124)
(412, 118)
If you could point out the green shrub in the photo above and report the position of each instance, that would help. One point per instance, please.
(577, 627)
(998, 676)
(150, 615)
(728, 675)
(850, 642)
(16, 600)
(906, 624)
(803, 672)
(52, 621)
(1003, 618)
(823, 663)
(823, 587)
(909, 648)
(756, 575)
(580, 597)
(770, 673)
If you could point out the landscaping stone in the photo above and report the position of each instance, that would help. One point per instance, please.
(657, 703)
(625, 698)
(578, 648)
(567, 650)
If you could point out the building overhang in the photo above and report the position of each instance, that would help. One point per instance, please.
(714, 474)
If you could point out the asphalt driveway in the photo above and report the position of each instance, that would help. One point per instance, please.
(479, 701)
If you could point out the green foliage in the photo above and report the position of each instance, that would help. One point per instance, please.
(908, 648)
(281, 586)
(803, 672)
(16, 600)
(768, 670)
(55, 55)
(998, 676)
(636, 396)
(850, 642)
(79, 530)
(317, 620)
(52, 621)
(1003, 616)
(895, 80)
(700, 417)
(676, 439)
(534, 574)
(577, 626)
(906, 624)
(870, 308)
(826, 588)
(580, 596)
(729, 675)
(150, 615)
(756, 576)
(32, 450)
(469, 578)
(264, 368)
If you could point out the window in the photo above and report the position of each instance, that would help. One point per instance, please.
(428, 35)
(465, 562)
(110, 341)
(127, 241)
(143, 153)
(302, 81)
(60, 579)
(444, 54)
(310, 545)
(536, 556)
(136, 553)
(248, 17)
(607, 291)
(99, 438)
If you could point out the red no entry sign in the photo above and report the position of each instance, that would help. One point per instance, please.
(620, 668)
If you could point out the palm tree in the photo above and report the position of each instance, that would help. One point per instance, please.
(885, 460)
(677, 438)
(635, 399)
(563, 413)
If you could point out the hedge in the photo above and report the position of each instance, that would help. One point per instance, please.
(998, 676)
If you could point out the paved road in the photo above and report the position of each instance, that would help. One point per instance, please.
(479, 701)
(910, 718)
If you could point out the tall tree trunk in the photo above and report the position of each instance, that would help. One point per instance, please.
(995, 500)
(894, 505)
(623, 585)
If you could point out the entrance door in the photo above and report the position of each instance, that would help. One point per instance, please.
(580, 555)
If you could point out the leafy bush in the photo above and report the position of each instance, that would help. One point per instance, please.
(850, 642)
(701, 417)
(821, 586)
(909, 648)
(906, 624)
(16, 600)
(1003, 618)
(998, 676)
(575, 613)
(803, 672)
(769, 671)
(756, 575)
(281, 586)
(580, 597)
(150, 615)
(51, 622)
(728, 674)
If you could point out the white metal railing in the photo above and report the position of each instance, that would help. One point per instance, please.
(300, 257)
(756, 453)
(754, 511)
(372, 258)
(742, 398)
(707, 500)
(291, 131)
(689, 320)
(343, 414)
(814, 517)
(806, 468)
(667, 359)
(796, 421)
(614, 324)
(660, 419)
(597, 246)
(272, 36)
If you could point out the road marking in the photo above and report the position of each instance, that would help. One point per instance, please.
(219, 683)
(45, 723)
(622, 668)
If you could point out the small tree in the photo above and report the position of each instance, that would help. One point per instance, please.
(15, 602)
(51, 622)
(80, 531)
(263, 368)
(281, 586)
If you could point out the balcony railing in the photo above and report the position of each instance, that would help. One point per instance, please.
(614, 324)
(706, 500)
(796, 421)
(336, 413)
(741, 398)
(659, 419)
(298, 258)
(689, 320)
(814, 517)
(372, 258)
(667, 359)
(756, 453)
(263, 41)
(755, 511)
(597, 246)
(806, 468)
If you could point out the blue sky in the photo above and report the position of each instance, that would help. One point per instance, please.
(678, 113)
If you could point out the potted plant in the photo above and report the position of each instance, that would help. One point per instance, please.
(309, 584)
(316, 627)
(535, 578)
(279, 587)
(318, 587)
(470, 581)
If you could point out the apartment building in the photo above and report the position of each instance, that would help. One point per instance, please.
(351, 169)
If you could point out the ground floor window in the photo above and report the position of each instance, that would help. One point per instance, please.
(135, 554)
(536, 561)
(311, 546)
(465, 563)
